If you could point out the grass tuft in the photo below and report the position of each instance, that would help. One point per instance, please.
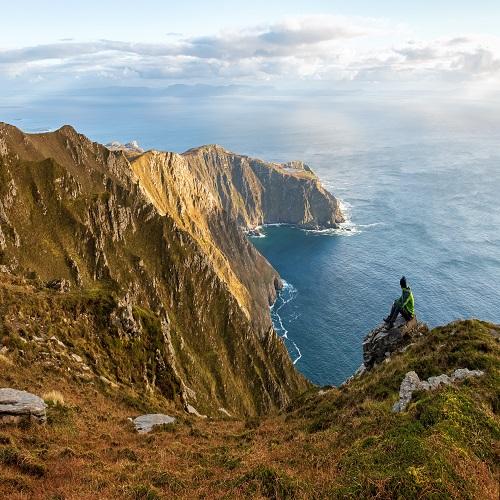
(269, 483)
(54, 398)
(143, 492)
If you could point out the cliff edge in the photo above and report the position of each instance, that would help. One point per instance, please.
(257, 192)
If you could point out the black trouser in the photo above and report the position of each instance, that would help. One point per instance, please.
(396, 309)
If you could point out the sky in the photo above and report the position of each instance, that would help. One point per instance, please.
(66, 45)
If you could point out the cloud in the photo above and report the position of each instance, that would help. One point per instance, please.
(417, 53)
(459, 40)
(313, 30)
(310, 47)
(480, 61)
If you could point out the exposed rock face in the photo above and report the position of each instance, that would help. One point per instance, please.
(145, 423)
(380, 343)
(60, 285)
(162, 232)
(256, 192)
(412, 383)
(16, 406)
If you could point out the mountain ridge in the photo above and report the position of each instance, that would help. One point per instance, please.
(161, 232)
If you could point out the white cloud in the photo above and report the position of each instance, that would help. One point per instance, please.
(312, 47)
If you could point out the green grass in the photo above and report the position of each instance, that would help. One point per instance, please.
(413, 454)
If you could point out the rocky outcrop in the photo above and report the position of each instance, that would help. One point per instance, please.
(380, 342)
(412, 383)
(16, 406)
(60, 285)
(145, 423)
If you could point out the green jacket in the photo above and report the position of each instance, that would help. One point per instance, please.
(407, 302)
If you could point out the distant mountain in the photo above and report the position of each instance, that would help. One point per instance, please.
(174, 90)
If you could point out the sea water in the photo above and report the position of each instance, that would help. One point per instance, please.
(419, 181)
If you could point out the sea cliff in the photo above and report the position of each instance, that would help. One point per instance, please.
(154, 240)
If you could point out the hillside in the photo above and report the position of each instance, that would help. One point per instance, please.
(328, 443)
(158, 238)
(128, 287)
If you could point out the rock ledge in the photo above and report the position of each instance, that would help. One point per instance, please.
(16, 406)
(380, 343)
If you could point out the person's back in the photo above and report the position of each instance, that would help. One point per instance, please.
(408, 302)
(404, 305)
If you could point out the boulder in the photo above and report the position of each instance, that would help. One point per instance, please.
(410, 383)
(145, 423)
(16, 406)
(380, 343)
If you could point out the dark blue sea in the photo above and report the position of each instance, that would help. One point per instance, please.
(418, 176)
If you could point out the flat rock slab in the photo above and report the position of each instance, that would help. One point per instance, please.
(18, 405)
(145, 423)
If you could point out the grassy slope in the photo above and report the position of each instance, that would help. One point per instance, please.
(344, 443)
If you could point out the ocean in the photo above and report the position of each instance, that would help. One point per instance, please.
(418, 177)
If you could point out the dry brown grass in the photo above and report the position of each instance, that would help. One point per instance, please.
(94, 451)
(53, 397)
(5, 360)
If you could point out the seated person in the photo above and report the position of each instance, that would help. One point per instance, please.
(404, 305)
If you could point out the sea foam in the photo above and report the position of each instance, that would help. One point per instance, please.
(285, 296)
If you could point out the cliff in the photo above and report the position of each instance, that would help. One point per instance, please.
(129, 293)
(256, 192)
(153, 248)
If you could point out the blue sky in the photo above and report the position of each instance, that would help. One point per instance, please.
(31, 21)
(64, 44)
